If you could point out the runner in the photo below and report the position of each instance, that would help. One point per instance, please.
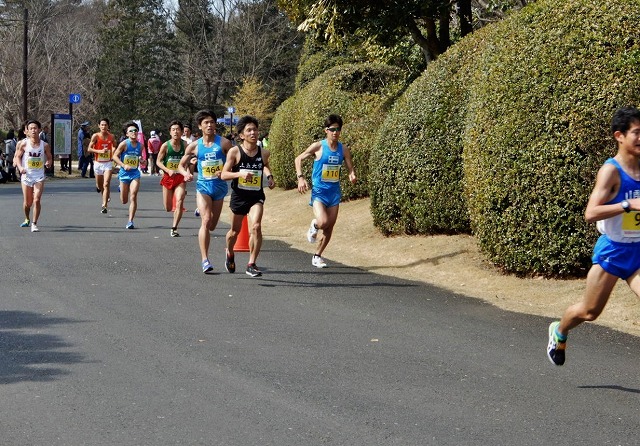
(614, 205)
(328, 156)
(127, 156)
(173, 185)
(245, 166)
(211, 153)
(101, 145)
(31, 158)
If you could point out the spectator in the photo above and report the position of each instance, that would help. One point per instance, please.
(10, 150)
(153, 147)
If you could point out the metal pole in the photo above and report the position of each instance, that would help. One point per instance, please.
(25, 54)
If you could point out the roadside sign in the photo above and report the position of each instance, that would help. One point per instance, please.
(74, 98)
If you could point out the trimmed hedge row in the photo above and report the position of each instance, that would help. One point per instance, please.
(416, 164)
(538, 129)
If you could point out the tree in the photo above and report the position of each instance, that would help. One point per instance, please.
(252, 99)
(61, 43)
(137, 69)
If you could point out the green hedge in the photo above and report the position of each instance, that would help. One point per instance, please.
(416, 180)
(538, 129)
(361, 94)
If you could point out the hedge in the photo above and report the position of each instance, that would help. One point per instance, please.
(538, 129)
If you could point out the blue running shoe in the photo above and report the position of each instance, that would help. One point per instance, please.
(206, 266)
(130, 225)
(26, 223)
(196, 212)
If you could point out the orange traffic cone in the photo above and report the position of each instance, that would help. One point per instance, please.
(242, 242)
(173, 208)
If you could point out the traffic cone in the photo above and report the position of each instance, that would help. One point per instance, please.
(173, 208)
(242, 242)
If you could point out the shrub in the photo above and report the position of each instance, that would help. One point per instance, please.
(538, 129)
(416, 179)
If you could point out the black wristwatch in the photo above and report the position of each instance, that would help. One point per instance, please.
(300, 176)
(625, 205)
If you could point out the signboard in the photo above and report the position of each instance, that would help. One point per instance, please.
(61, 134)
(75, 98)
(231, 110)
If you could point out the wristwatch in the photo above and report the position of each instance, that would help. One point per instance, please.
(625, 205)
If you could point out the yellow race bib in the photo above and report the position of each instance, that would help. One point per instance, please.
(210, 168)
(131, 160)
(35, 163)
(254, 183)
(331, 173)
(631, 224)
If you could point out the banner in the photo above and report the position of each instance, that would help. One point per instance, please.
(61, 134)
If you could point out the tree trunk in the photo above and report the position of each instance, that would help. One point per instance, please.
(464, 15)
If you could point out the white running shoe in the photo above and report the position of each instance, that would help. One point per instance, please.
(34, 228)
(318, 262)
(312, 233)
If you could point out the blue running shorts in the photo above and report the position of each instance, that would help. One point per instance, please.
(618, 259)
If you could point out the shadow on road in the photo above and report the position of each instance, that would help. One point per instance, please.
(27, 354)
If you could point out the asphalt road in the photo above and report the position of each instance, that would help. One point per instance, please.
(111, 336)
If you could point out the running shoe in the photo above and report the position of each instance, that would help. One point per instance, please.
(174, 233)
(253, 271)
(196, 212)
(318, 261)
(34, 228)
(206, 266)
(230, 263)
(555, 348)
(130, 225)
(312, 233)
(26, 223)
(103, 210)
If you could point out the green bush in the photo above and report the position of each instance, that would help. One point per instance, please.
(361, 94)
(538, 119)
(282, 152)
(416, 180)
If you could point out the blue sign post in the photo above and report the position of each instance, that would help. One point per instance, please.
(74, 98)
(231, 111)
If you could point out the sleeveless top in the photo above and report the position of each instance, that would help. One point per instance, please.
(108, 144)
(625, 227)
(131, 155)
(210, 160)
(33, 159)
(172, 158)
(326, 170)
(254, 164)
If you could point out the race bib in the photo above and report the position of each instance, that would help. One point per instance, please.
(131, 160)
(631, 224)
(35, 163)
(254, 183)
(102, 157)
(210, 168)
(173, 163)
(331, 173)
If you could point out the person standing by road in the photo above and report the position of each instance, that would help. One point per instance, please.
(246, 166)
(101, 146)
(173, 185)
(84, 160)
(614, 205)
(153, 147)
(127, 156)
(328, 155)
(31, 158)
(211, 153)
(10, 150)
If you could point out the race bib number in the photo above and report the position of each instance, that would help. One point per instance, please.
(631, 224)
(34, 163)
(331, 173)
(210, 168)
(102, 157)
(252, 184)
(131, 161)
(173, 163)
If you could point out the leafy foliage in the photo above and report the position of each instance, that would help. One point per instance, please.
(550, 79)
(135, 68)
(416, 180)
(252, 99)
